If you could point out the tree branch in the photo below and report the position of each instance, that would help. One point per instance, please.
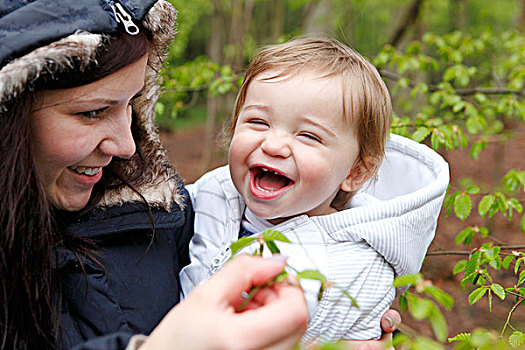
(452, 252)
(445, 252)
(461, 92)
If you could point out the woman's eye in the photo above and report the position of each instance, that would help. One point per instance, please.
(94, 114)
(311, 137)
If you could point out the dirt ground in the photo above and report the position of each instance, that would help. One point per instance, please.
(184, 150)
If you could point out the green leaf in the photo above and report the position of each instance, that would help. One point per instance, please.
(460, 337)
(420, 134)
(498, 290)
(422, 343)
(516, 339)
(407, 280)
(476, 149)
(419, 308)
(273, 247)
(517, 265)
(272, 235)
(463, 236)
(449, 202)
(521, 279)
(440, 296)
(506, 262)
(399, 341)
(480, 98)
(403, 303)
(480, 338)
(312, 275)
(475, 124)
(476, 295)
(458, 107)
(241, 243)
(472, 189)
(473, 263)
(484, 232)
(460, 266)
(522, 223)
(438, 323)
(462, 206)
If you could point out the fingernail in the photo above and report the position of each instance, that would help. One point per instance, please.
(278, 257)
(390, 320)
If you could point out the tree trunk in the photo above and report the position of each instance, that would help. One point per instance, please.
(317, 17)
(521, 18)
(459, 15)
(408, 20)
(241, 16)
(215, 55)
(277, 24)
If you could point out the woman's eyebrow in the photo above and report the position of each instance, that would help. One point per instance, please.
(107, 101)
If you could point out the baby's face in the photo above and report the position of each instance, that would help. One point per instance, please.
(291, 150)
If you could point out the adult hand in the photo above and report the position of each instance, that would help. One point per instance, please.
(206, 319)
(389, 323)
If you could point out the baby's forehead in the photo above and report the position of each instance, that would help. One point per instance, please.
(280, 75)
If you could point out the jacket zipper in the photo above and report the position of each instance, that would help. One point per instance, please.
(123, 16)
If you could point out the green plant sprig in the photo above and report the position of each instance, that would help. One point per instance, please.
(268, 239)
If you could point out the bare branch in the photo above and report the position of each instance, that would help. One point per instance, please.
(452, 252)
(461, 92)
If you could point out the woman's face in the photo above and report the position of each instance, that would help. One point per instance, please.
(76, 132)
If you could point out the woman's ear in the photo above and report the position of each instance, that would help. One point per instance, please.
(360, 173)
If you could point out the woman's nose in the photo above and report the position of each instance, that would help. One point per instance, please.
(276, 144)
(119, 139)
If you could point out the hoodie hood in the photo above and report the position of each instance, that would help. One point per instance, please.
(397, 212)
(48, 35)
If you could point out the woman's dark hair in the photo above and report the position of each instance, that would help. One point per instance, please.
(29, 283)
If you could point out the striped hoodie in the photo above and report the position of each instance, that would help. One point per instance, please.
(384, 233)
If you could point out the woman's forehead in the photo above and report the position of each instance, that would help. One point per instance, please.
(110, 89)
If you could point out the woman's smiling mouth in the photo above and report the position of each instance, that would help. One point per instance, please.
(90, 171)
(86, 176)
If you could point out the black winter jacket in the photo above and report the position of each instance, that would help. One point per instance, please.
(135, 282)
(131, 281)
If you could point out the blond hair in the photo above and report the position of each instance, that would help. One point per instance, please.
(366, 101)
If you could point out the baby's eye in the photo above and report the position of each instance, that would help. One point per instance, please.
(257, 123)
(311, 137)
(94, 114)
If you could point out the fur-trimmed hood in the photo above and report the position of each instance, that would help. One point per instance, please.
(48, 35)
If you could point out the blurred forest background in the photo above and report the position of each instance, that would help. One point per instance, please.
(216, 39)
(455, 69)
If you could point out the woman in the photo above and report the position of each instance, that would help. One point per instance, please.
(95, 222)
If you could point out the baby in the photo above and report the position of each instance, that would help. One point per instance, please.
(308, 138)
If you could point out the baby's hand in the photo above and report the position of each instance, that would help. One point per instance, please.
(389, 323)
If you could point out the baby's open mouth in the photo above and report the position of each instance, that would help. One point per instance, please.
(269, 181)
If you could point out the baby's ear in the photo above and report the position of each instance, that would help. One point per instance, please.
(360, 173)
